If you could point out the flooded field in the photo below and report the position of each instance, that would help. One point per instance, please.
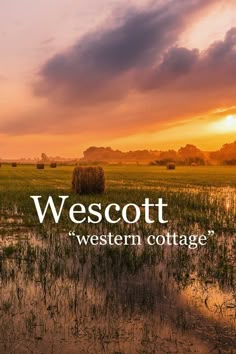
(59, 297)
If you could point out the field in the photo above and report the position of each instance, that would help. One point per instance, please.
(57, 296)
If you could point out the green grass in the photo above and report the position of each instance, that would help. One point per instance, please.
(26, 177)
(194, 194)
(123, 183)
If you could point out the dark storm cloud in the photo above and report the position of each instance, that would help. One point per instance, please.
(104, 64)
(182, 68)
(177, 62)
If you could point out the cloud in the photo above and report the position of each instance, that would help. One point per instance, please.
(132, 77)
(3, 78)
(47, 41)
(209, 72)
(105, 64)
(177, 62)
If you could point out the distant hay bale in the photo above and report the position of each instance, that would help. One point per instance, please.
(53, 165)
(88, 180)
(14, 164)
(171, 166)
(40, 166)
(0, 164)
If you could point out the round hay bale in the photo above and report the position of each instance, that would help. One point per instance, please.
(0, 164)
(88, 180)
(40, 166)
(171, 166)
(53, 165)
(14, 164)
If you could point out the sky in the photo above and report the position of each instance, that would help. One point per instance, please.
(130, 75)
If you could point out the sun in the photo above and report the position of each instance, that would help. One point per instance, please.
(230, 122)
(225, 125)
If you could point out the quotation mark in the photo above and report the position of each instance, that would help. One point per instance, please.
(71, 233)
(211, 232)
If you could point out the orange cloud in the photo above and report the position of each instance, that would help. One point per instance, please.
(129, 78)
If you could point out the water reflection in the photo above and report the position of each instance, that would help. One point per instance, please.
(57, 297)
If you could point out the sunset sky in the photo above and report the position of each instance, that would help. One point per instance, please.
(127, 74)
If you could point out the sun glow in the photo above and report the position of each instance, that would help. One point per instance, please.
(225, 125)
(230, 121)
